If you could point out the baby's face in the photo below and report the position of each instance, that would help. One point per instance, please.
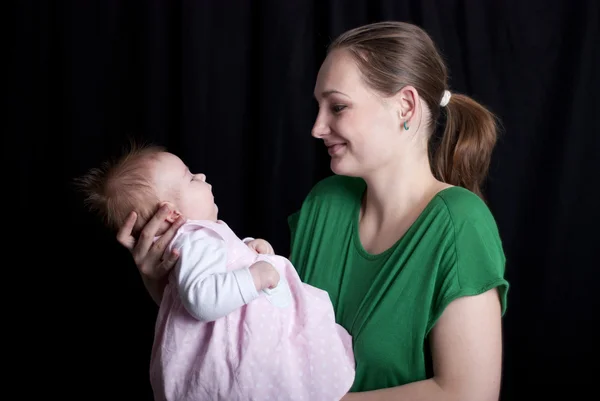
(190, 193)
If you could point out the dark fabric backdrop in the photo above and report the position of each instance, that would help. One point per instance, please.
(228, 86)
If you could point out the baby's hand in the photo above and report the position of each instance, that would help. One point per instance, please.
(264, 275)
(261, 246)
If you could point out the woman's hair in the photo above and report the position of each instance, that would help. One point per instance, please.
(121, 186)
(392, 55)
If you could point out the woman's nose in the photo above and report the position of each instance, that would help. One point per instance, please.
(320, 129)
(202, 177)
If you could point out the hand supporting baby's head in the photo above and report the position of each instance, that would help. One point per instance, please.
(142, 180)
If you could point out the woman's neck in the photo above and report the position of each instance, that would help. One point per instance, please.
(399, 190)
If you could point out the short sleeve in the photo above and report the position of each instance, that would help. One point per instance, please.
(474, 264)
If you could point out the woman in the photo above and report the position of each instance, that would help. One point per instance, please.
(399, 236)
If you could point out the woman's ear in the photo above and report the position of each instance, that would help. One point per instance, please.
(173, 212)
(406, 101)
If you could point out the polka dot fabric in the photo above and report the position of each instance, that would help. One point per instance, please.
(261, 352)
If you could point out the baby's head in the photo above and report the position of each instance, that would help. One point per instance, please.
(142, 180)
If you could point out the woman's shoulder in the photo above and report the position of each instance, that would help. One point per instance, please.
(465, 206)
(473, 228)
(333, 197)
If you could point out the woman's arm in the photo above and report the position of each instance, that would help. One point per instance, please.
(467, 356)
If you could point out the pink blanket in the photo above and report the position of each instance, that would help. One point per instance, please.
(281, 346)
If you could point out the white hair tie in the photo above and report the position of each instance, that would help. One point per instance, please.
(445, 98)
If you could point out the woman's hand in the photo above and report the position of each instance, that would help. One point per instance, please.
(147, 254)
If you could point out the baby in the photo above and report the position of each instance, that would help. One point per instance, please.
(233, 324)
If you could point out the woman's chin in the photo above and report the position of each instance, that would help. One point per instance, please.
(340, 168)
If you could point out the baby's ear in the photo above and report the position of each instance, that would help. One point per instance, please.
(173, 213)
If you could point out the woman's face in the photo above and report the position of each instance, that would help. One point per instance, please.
(360, 128)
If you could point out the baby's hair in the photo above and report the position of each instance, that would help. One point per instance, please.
(120, 186)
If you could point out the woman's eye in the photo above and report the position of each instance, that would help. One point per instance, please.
(338, 108)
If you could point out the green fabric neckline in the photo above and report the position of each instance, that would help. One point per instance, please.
(355, 223)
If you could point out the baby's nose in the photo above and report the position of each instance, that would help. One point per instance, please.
(201, 176)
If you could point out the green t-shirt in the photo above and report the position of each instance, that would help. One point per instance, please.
(389, 302)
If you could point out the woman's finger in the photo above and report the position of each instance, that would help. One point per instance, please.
(148, 233)
(124, 236)
(161, 244)
(169, 262)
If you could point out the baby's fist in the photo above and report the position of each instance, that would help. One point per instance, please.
(264, 275)
(261, 246)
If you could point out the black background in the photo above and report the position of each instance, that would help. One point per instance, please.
(227, 85)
